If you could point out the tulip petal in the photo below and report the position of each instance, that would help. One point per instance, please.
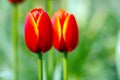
(45, 32)
(36, 13)
(57, 31)
(62, 14)
(31, 33)
(70, 32)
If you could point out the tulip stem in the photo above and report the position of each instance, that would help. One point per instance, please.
(65, 67)
(50, 65)
(40, 67)
(50, 62)
(49, 7)
(15, 39)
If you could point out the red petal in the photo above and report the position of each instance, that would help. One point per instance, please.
(45, 32)
(70, 32)
(31, 33)
(59, 42)
(36, 13)
(57, 32)
(62, 14)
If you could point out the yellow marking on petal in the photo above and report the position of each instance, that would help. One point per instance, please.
(35, 25)
(65, 26)
(59, 28)
(39, 19)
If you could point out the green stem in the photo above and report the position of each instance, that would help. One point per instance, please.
(50, 63)
(50, 59)
(49, 7)
(15, 39)
(40, 67)
(65, 67)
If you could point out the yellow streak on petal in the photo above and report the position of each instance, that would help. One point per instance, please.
(58, 28)
(35, 25)
(39, 20)
(65, 26)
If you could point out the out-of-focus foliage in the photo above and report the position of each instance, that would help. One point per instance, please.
(93, 59)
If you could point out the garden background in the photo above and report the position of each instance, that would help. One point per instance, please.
(97, 56)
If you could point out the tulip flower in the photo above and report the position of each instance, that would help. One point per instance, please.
(15, 1)
(65, 35)
(38, 32)
(65, 31)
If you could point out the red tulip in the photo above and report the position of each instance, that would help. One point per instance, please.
(65, 31)
(38, 31)
(15, 1)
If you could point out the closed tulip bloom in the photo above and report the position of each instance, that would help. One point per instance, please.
(15, 1)
(65, 31)
(38, 31)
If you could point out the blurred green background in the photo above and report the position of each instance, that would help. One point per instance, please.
(97, 56)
